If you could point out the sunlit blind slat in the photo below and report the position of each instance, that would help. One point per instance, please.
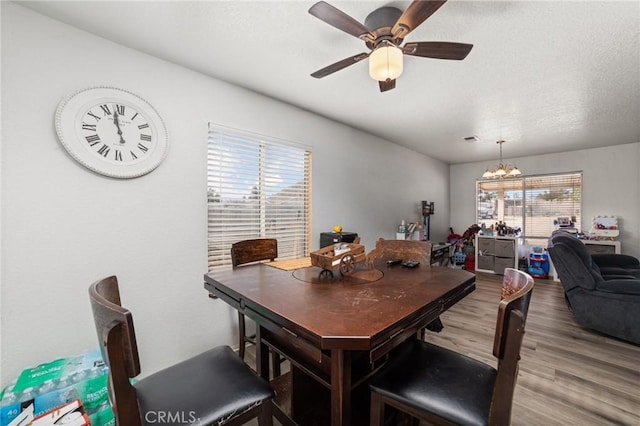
(258, 187)
(550, 197)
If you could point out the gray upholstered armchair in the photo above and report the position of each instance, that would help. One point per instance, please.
(610, 306)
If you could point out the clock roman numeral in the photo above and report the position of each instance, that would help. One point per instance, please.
(133, 156)
(146, 138)
(119, 108)
(106, 109)
(104, 150)
(93, 139)
(134, 116)
(143, 126)
(142, 148)
(86, 126)
(93, 115)
(118, 155)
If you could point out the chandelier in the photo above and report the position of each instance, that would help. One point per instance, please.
(501, 170)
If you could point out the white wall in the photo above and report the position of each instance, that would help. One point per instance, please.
(611, 186)
(63, 227)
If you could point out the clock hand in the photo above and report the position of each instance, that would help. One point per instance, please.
(117, 123)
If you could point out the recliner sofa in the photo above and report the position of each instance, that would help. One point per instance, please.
(608, 303)
(617, 264)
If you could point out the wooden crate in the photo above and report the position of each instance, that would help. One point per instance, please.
(326, 258)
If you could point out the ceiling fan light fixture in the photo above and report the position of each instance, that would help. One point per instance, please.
(385, 63)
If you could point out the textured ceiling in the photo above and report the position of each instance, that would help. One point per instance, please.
(547, 76)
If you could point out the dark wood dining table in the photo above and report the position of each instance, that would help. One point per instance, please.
(337, 330)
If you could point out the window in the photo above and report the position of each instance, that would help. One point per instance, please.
(530, 203)
(257, 187)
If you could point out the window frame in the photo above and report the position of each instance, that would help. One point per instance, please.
(523, 194)
(258, 186)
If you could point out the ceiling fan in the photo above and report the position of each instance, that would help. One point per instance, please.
(383, 32)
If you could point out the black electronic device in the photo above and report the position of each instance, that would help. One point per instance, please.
(393, 262)
(410, 264)
(428, 208)
(328, 238)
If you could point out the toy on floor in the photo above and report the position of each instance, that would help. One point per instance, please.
(538, 263)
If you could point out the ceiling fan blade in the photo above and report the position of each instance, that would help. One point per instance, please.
(339, 65)
(438, 49)
(337, 18)
(417, 12)
(387, 85)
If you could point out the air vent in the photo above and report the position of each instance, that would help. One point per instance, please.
(472, 139)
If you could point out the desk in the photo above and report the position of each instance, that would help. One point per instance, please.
(338, 331)
(440, 254)
(602, 246)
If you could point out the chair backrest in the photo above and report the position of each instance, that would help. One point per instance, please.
(573, 262)
(406, 250)
(255, 250)
(117, 338)
(512, 315)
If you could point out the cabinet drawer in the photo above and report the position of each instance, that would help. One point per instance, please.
(486, 245)
(505, 248)
(503, 262)
(485, 262)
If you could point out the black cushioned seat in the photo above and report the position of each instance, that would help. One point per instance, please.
(212, 388)
(209, 387)
(446, 387)
(454, 387)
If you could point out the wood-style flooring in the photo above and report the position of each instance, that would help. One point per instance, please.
(568, 375)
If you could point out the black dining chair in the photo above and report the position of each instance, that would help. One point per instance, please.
(442, 386)
(212, 388)
(243, 253)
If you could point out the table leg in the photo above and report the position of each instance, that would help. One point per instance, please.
(262, 355)
(310, 400)
(340, 387)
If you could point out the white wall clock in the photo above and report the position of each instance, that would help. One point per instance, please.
(112, 132)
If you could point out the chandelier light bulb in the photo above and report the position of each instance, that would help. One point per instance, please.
(515, 172)
(501, 170)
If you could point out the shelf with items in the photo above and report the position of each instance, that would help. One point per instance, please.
(494, 253)
(602, 246)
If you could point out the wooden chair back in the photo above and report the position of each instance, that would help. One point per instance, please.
(512, 315)
(406, 250)
(114, 326)
(249, 251)
(242, 253)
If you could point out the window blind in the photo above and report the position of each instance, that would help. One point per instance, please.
(530, 203)
(257, 187)
(550, 197)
